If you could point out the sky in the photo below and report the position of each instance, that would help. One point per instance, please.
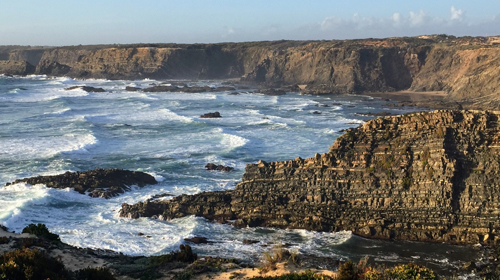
(71, 22)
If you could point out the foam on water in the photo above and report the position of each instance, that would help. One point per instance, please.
(43, 95)
(161, 134)
(44, 147)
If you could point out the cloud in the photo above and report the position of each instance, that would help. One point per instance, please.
(457, 14)
(411, 24)
(417, 19)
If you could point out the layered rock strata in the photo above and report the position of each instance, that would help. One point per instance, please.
(104, 183)
(430, 176)
(467, 69)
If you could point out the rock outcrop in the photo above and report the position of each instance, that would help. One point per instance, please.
(11, 67)
(211, 115)
(430, 176)
(219, 167)
(467, 69)
(104, 183)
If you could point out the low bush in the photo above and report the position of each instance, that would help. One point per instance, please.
(185, 254)
(411, 271)
(41, 230)
(100, 273)
(26, 264)
(308, 275)
(4, 240)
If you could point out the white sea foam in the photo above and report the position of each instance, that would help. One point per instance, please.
(44, 147)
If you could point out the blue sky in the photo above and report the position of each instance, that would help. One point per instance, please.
(51, 22)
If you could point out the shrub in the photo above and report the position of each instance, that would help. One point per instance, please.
(185, 254)
(4, 240)
(307, 275)
(276, 255)
(348, 271)
(411, 271)
(26, 264)
(100, 273)
(41, 230)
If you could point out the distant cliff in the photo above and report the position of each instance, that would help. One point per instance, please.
(430, 176)
(467, 68)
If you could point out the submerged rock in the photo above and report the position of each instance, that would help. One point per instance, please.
(86, 88)
(211, 166)
(197, 240)
(104, 183)
(272, 91)
(211, 115)
(430, 176)
(128, 88)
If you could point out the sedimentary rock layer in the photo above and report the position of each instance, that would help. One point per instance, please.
(466, 68)
(97, 183)
(430, 176)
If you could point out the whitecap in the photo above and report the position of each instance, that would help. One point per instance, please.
(44, 147)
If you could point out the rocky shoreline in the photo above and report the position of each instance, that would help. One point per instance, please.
(466, 69)
(105, 183)
(422, 176)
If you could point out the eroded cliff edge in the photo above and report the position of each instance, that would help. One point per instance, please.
(430, 176)
(467, 69)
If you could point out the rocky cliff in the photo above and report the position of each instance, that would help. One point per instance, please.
(467, 68)
(430, 176)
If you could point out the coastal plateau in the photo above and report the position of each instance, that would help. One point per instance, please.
(465, 69)
(431, 176)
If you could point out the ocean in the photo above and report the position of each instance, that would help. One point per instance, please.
(47, 130)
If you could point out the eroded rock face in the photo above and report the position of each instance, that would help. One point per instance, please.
(11, 67)
(466, 69)
(430, 176)
(98, 182)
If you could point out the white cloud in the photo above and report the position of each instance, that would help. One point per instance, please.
(456, 14)
(417, 19)
(412, 24)
(396, 17)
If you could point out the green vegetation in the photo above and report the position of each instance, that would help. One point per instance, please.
(270, 259)
(185, 255)
(351, 271)
(41, 230)
(26, 264)
(4, 240)
(308, 275)
(100, 273)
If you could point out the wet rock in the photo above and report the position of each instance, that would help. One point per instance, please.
(161, 88)
(469, 266)
(212, 166)
(225, 88)
(428, 176)
(132, 88)
(211, 115)
(197, 240)
(316, 113)
(272, 91)
(99, 182)
(249, 242)
(377, 114)
(86, 88)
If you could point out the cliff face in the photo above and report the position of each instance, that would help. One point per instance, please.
(467, 69)
(424, 176)
(11, 67)
(140, 62)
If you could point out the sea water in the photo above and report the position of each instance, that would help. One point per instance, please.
(47, 130)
